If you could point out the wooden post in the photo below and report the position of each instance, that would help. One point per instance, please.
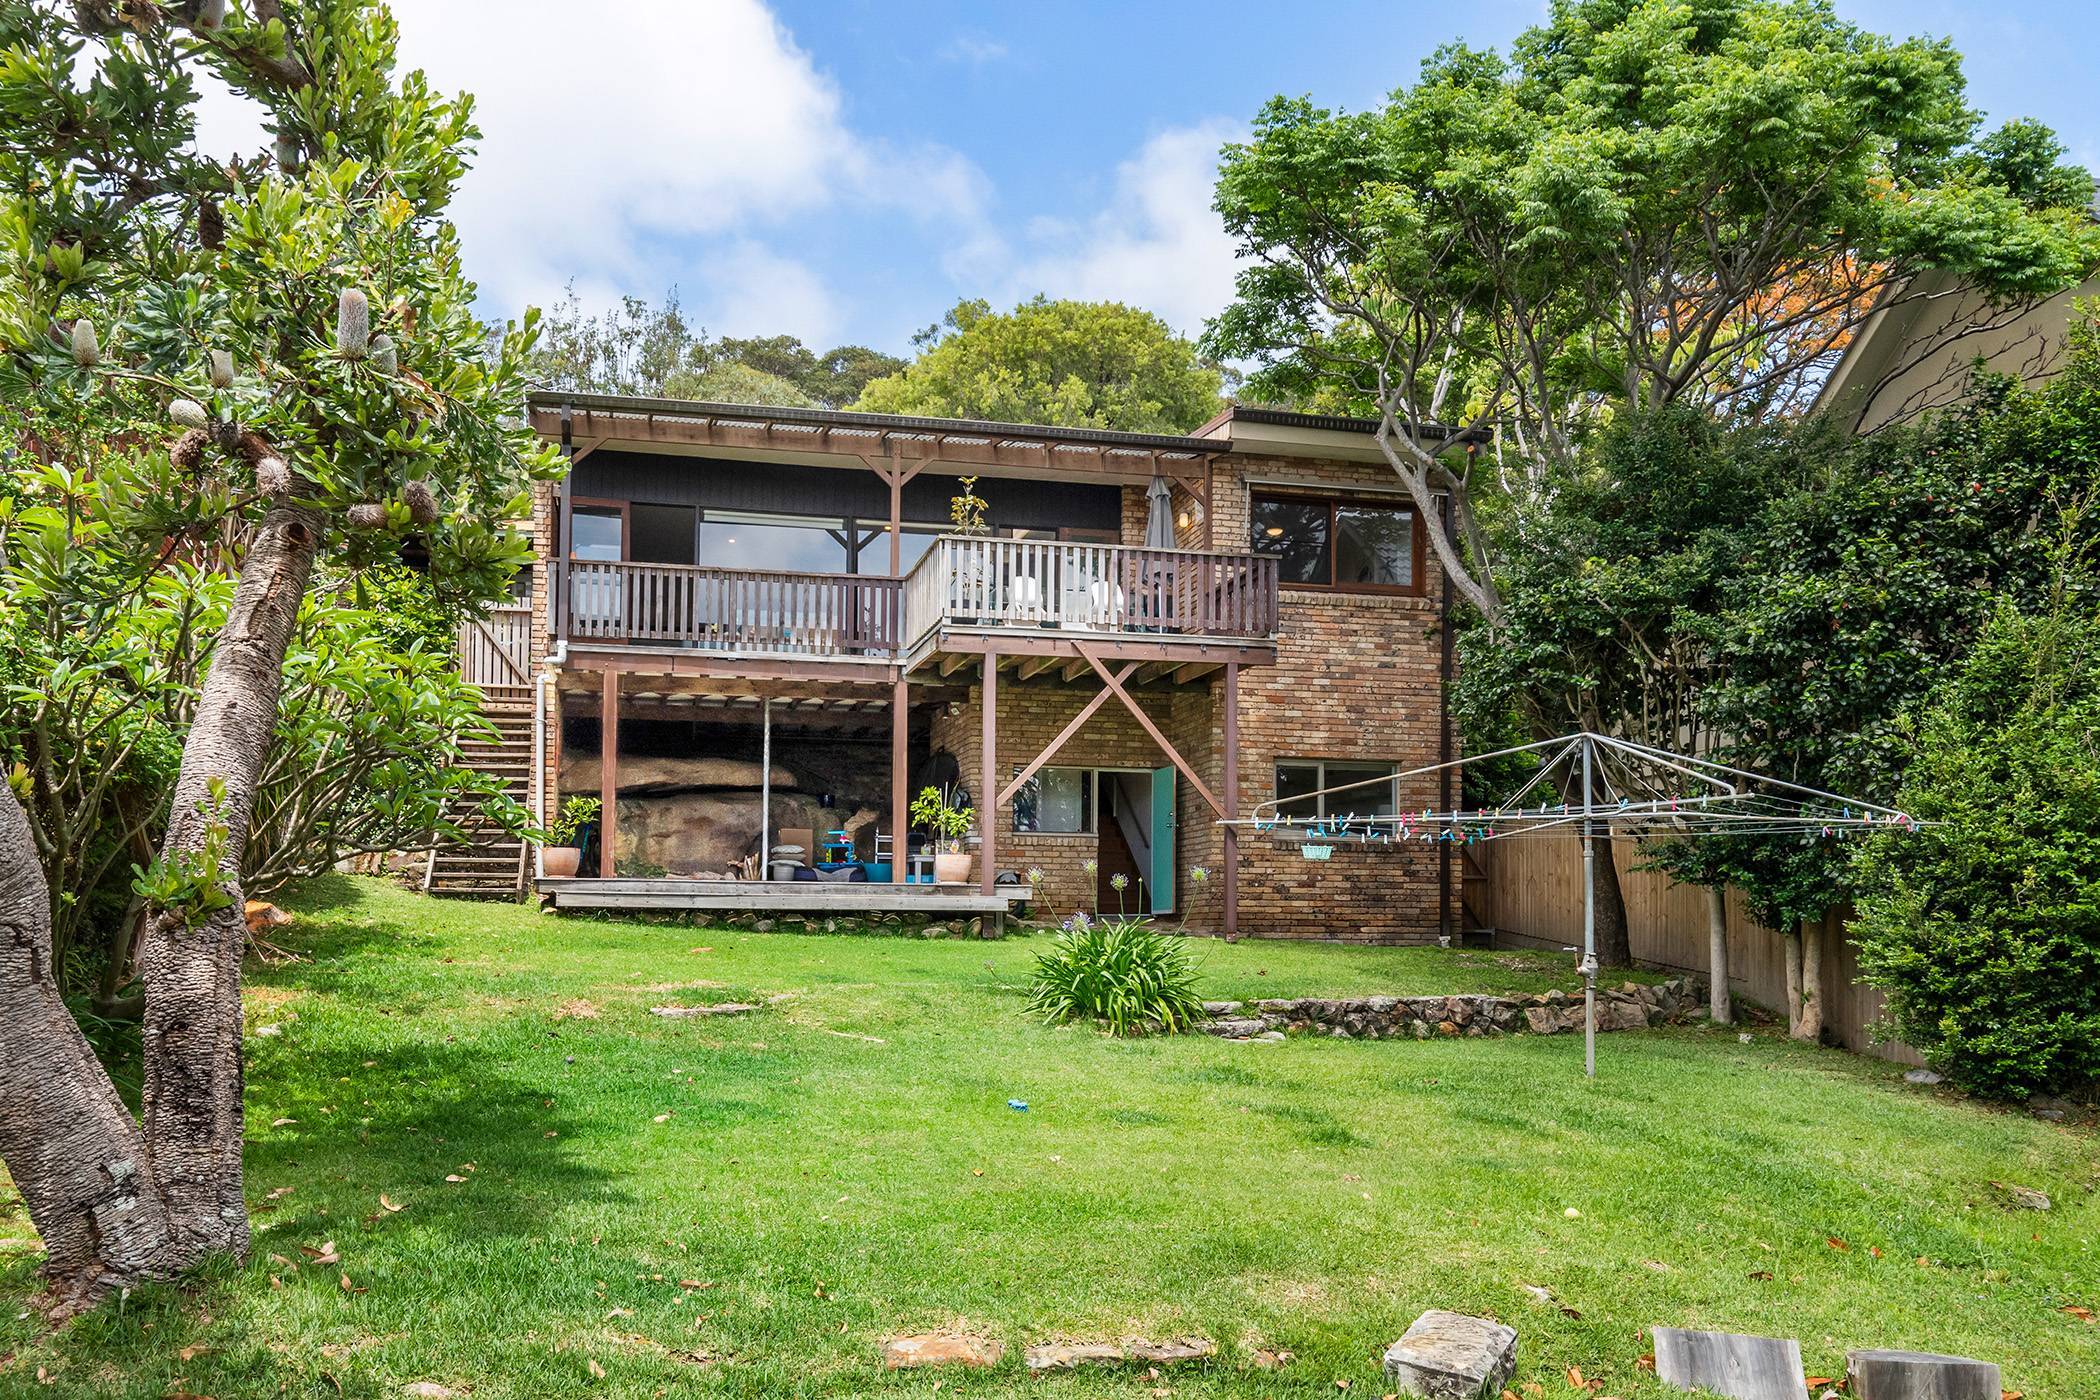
(608, 773)
(765, 789)
(895, 477)
(900, 734)
(988, 783)
(1231, 784)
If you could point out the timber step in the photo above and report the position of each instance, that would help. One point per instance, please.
(490, 862)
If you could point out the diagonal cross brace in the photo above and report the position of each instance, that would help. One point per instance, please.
(1085, 714)
(1115, 684)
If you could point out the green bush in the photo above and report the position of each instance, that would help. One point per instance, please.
(1984, 925)
(1121, 971)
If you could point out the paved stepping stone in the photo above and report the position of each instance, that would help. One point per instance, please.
(1450, 1356)
(1728, 1363)
(939, 1349)
(1065, 1356)
(1919, 1375)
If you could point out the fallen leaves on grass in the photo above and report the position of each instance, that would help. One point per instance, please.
(391, 1206)
(1839, 1245)
(349, 1287)
(1760, 1275)
(324, 1255)
(597, 1371)
(454, 1178)
(2073, 1310)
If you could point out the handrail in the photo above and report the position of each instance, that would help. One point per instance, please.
(989, 582)
(743, 610)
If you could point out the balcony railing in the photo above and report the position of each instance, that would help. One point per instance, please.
(743, 610)
(969, 582)
(962, 582)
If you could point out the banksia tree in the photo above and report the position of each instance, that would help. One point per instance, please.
(294, 460)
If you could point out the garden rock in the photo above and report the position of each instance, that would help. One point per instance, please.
(1450, 1356)
(1921, 1076)
(2020, 1197)
(1065, 1356)
(1919, 1375)
(1731, 1364)
(939, 1349)
(1383, 1017)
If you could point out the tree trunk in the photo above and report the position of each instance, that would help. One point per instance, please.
(71, 1146)
(1614, 940)
(1809, 1025)
(1717, 954)
(192, 971)
(1792, 939)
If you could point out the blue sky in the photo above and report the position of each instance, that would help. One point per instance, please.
(845, 170)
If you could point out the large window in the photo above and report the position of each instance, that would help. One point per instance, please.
(597, 533)
(1302, 789)
(1056, 800)
(1340, 543)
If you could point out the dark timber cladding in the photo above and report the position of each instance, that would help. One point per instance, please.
(849, 490)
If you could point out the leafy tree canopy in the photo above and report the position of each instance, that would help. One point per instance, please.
(1646, 202)
(1984, 925)
(1075, 364)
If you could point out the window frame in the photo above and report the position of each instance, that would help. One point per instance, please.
(1335, 503)
(1320, 783)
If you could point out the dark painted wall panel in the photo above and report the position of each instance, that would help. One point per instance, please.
(797, 490)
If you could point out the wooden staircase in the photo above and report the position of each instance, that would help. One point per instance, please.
(491, 864)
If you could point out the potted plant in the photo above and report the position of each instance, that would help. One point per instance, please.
(559, 852)
(948, 824)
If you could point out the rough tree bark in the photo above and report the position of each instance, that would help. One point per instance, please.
(1717, 1000)
(1792, 941)
(193, 972)
(1808, 1019)
(119, 1202)
(75, 1154)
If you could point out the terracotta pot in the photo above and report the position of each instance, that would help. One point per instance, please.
(951, 867)
(560, 862)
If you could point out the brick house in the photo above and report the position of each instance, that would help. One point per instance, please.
(751, 624)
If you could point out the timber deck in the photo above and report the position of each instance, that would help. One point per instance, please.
(783, 896)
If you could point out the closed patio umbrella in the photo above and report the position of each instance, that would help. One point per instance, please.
(1159, 516)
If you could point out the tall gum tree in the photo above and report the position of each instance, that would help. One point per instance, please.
(1645, 204)
(284, 353)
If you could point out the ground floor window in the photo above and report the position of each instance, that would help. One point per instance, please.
(1302, 783)
(1056, 800)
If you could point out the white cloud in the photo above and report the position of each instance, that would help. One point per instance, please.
(766, 294)
(625, 152)
(1156, 244)
(974, 48)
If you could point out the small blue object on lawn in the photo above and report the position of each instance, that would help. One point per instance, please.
(1018, 1105)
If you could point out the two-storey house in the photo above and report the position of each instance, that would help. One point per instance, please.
(757, 628)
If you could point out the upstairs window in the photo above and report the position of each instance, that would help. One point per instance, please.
(1340, 543)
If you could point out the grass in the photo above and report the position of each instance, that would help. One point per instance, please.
(843, 1166)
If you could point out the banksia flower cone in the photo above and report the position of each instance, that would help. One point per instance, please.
(384, 357)
(87, 346)
(188, 413)
(421, 502)
(287, 153)
(188, 452)
(353, 324)
(211, 15)
(272, 476)
(367, 515)
(221, 369)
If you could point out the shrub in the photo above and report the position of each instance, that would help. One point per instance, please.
(1984, 925)
(1120, 971)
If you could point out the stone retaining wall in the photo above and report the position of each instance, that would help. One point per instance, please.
(1631, 1006)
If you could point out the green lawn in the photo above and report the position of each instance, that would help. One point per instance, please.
(843, 1166)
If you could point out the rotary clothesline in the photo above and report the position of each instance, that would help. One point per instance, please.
(1626, 787)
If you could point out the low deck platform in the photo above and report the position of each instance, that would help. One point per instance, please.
(784, 896)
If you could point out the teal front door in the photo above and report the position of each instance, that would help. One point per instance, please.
(1162, 880)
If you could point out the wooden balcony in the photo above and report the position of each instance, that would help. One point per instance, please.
(1100, 589)
(1022, 595)
(743, 611)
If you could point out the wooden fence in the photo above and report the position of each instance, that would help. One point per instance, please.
(1537, 902)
